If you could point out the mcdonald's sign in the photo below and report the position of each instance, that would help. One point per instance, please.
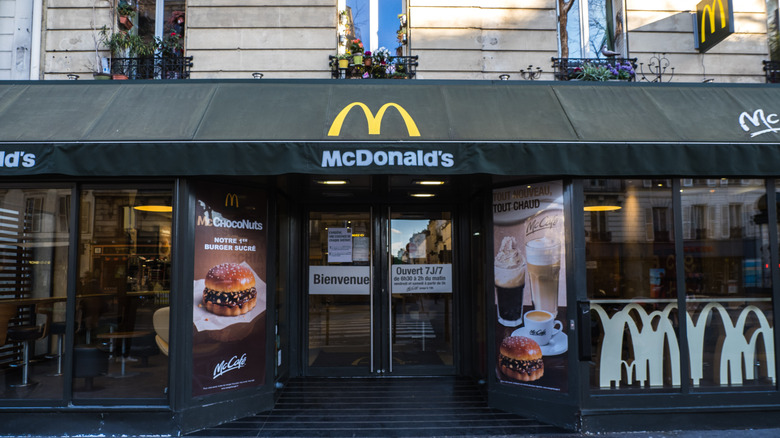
(231, 200)
(374, 122)
(714, 22)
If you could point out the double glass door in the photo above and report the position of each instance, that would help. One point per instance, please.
(380, 292)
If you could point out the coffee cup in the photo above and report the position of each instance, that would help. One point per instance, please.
(541, 326)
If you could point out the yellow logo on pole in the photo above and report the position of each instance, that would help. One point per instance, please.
(231, 200)
(374, 122)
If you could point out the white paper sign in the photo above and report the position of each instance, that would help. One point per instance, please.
(339, 245)
(339, 280)
(422, 278)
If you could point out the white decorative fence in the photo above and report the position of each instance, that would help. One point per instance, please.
(649, 333)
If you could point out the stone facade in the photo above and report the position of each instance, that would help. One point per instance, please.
(454, 39)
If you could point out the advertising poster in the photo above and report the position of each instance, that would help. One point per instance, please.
(229, 291)
(529, 285)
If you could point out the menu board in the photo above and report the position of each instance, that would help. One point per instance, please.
(229, 291)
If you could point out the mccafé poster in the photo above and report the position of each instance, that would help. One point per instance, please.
(529, 273)
(229, 291)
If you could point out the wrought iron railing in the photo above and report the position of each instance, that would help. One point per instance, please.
(153, 67)
(566, 69)
(772, 72)
(396, 67)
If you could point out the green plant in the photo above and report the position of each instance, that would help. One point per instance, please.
(356, 46)
(593, 72)
(125, 44)
(170, 44)
(124, 8)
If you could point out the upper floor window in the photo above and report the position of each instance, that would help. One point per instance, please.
(591, 28)
(377, 23)
(773, 29)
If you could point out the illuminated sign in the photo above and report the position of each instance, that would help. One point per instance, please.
(231, 199)
(714, 22)
(374, 122)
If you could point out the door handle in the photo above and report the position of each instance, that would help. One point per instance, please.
(584, 328)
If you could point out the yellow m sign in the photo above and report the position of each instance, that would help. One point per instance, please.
(709, 11)
(231, 200)
(374, 122)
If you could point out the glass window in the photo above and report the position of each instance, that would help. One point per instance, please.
(728, 283)
(33, 289)
(123, 294)
(377, 23)
(631, 283)
(584, 28)
(631, 274)
(150, 27)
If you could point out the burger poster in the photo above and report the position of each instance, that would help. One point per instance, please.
(529, 285)
(229, 291)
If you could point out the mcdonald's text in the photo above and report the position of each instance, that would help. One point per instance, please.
(365, 157)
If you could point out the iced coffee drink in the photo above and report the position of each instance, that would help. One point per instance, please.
(544, 267)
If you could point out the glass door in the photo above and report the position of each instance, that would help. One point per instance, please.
(340, 298)
(421, 285)
(373, 311)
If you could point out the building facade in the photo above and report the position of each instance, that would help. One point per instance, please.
(534, 206)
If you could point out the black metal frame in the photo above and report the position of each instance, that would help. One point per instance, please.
(406, 68)
(772, 72)
(153, 67)
(564, 69)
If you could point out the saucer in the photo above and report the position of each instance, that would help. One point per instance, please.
(558, 344)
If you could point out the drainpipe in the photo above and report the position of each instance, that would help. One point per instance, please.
(35, 43)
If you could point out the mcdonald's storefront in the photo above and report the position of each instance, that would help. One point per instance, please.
(601, 256)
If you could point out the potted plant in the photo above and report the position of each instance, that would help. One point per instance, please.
(367, 58)
(125, 10)
(593, 72)
(356, 49)
(344, 60)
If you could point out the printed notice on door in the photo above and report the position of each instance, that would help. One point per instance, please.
(422, 278)
(339, 245)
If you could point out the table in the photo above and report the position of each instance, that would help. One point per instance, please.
(124, 336)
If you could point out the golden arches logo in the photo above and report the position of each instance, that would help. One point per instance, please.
(710, 10)
(231, 200)
(374, 122)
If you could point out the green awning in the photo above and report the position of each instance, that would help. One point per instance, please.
(267, 127)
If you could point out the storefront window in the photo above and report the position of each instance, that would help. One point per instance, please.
(122, 297)
(631, 283)
(631, 271)
(33, 287)
(728, 283)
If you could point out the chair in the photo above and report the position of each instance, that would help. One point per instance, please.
(58, 328)
(161, 323)
(89, 362)
(26, 334)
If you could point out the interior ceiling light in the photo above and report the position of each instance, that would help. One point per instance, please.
(429, 182)
(333, 182)
(422, 195)
(602, 208)
(154, 208)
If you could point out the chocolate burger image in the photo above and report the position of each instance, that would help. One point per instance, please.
(230, 290)
(520, 358)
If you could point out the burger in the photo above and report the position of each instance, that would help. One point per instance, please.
(230, 290)
(520, 358)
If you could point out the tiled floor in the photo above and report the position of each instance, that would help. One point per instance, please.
(389, 407)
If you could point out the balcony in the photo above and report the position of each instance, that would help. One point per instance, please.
(566, 69)
(396, 67)
(152, 67)
(772, 72)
